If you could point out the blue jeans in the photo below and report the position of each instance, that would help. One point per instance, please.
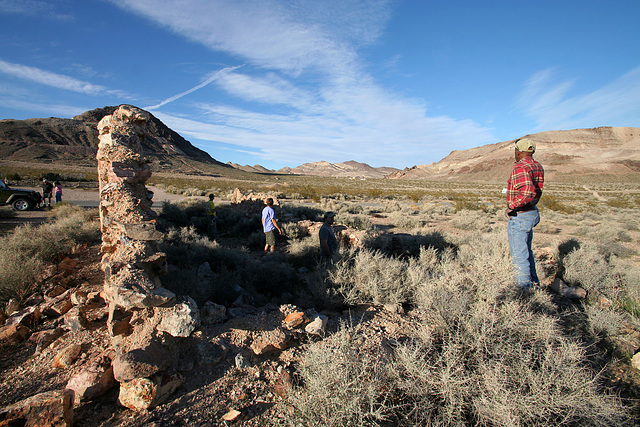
(520, 233)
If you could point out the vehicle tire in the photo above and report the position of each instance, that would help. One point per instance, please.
(21, 205)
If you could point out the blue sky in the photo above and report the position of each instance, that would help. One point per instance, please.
(280, 83)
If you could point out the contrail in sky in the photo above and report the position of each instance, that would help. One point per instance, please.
(193, 89)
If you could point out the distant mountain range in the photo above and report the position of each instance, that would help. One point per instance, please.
(601, 151)
(604, 151)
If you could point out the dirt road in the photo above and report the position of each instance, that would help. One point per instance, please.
(80, 197)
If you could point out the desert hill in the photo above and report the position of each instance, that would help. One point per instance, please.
(74, 141)
(350, 169)
(602, 151)
(252, 169)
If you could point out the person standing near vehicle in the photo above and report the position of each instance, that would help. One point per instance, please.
(47, 189)
(524, 190)
(57, 190)
(212, 216)
(269, 226)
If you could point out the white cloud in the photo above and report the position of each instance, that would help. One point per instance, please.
(59, 81)
(55, 110)
(33, 8)
(549, 104)
(302, 57)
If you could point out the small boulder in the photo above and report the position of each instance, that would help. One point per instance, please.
(146, 393)
(51, 408)
(67, 356)
(141, 362)
(94, 380)
(318, 325)
(181, 319)
(277, 339)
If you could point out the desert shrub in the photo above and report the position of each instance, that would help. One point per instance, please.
(28, 248)
(467, 203)
(302, 212)
(359, 222)
(481, 355)
(7, 212)
(12, 176)
(549, 201)
(234, 271)
(589, 268)
(472, 220)
(372, 277)
(603, 323)
(293, 231)
(403, 220)
(344, 385)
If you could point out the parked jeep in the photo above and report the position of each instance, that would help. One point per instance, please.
(21, 200)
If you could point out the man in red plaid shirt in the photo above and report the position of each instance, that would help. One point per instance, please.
(523, 192)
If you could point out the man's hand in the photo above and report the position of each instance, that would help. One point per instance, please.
(509, 213)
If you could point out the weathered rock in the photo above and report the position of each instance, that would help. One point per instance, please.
(141, 363)
(213, 313)
(277, 339)
(146, 393)
(55, 291)
(232, 415)
(283, 383)
(44, 338)
(295, 320)
(94, 380)
(35, 299)
(119, 322)
(142, 231)
(52, 408)
(181, 319)
(11, 307)
(67, 356)
(67, 265)
(241, 361)
(212, 352)
(75, 319)
(58, 308)
(78, 298)
(318, 326)
(53, 306)
(635, 360)
(13, 334)
(394, 308)
(28, 316)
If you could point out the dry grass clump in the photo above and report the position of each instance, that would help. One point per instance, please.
(24, 252)
(472, 220)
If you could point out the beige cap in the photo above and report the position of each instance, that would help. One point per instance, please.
(526, 145)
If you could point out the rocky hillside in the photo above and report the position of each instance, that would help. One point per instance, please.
(602, 151)
(350, 169)
(75, 141)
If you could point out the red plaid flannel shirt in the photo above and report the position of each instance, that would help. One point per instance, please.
(524, 187)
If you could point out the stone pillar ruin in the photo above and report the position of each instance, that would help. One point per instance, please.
(148, 323)
(130, 261)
